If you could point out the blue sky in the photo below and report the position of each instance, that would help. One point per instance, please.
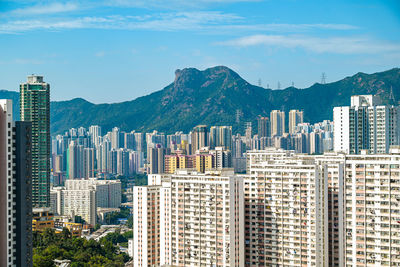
(111, 51)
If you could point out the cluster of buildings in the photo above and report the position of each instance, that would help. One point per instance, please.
(24, 169)
(330, 201)
(82, 153)
(324, 194)
(366, 125)
(289, 209)
(83, 197)
(25, 172)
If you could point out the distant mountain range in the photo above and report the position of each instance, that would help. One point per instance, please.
(212, 97)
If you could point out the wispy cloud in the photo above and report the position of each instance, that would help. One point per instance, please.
(170, 4)
(169, 21)
(48, 9)
(339, 45)
(283, 27)
(159, 22)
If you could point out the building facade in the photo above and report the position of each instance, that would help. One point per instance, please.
(196, 219)
(35, 108)
(365, 125)
(286, 215)
(277, 118)
(295, 117)
(15, 189)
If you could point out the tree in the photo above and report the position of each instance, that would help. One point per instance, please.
(66, 233)
(130, 222)
(82, 253)
(42, 261)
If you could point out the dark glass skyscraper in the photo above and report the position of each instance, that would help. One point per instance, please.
(15, 190)
(35, 107)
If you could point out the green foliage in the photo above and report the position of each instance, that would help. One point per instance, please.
(128, 234)
(112, 218)
(82, 253)
(118, 238)
(140, 179)
(130, 222)
(136, 179)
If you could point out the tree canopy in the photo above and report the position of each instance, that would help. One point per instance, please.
(48, 246)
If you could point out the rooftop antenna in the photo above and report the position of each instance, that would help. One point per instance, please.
(323, 78)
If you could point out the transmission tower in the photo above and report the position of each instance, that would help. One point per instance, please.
(259, 82)
(279, 85)
(323, 78)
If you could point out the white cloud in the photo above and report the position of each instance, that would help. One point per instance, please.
(339, 45)
(169, 21)
(283, 27)
(170, 4)
(160, 22)
(45, 9)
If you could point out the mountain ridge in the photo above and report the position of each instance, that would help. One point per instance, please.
(212, 96)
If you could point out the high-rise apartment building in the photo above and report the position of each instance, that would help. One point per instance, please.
(357, 202)
(333, 209)
(155, 158)
(79, 202)
(295, 117)
(139, 142)
(264, 127)
(177, 161)
(277, 118)
(116, 138)
(108, 192)
(15, 189)
(88, 162)
(286, 212)
(200, 137)
(222, 158)
(206, 219)
(190, 219)
(75, 160)
(35, 107)
(366, 126)
(221, 136)
(372, 210)
(146, 226)
(95, 133)
(82, 197)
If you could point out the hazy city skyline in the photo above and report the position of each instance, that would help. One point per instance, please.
(132, 48)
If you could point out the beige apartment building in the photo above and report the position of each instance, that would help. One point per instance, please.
(372, 210)
(146, 226)
(286, 212)
(190, 219)
(354, 199)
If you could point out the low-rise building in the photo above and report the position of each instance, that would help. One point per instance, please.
(42, 219)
